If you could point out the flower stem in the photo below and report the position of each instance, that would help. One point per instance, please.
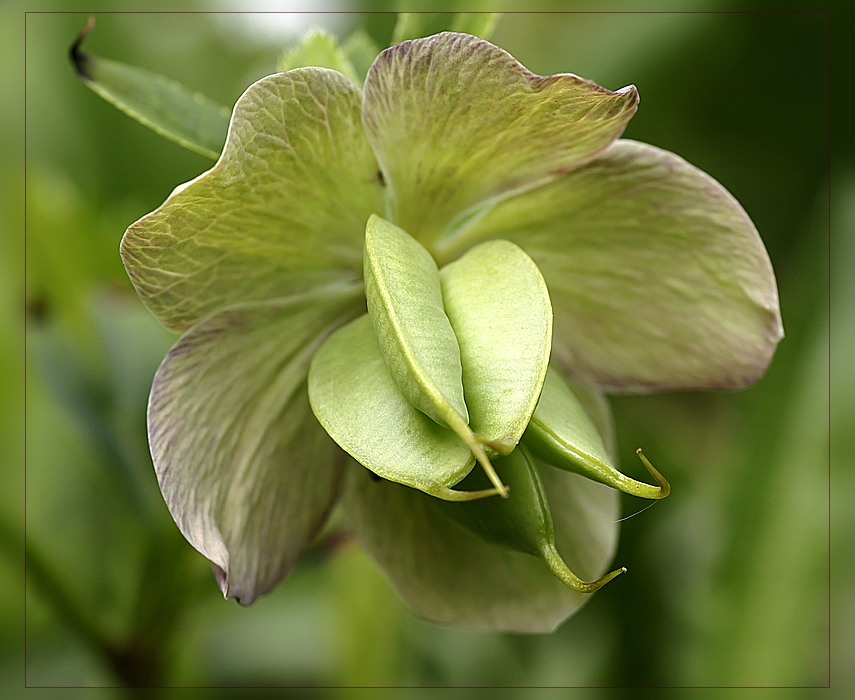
(560, 569)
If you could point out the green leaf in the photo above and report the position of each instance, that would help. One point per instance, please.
(561, 434)
(358, 403)
(446, 574)
(248, 474)
(361, 51)
(411, 25)
(458, 123)
(282, 211)
(184, 116)
(320, 49)
(657, 276)
(499, 308)
(523, 521)
(480, 24)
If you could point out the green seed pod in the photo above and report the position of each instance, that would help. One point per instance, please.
(561, 434)
(521, 522)
(405, 303)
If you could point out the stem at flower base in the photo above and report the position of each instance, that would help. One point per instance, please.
(559, 568)
(461, 427)
(447, 494)
(478, 450)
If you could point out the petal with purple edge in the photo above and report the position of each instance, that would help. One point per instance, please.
(457, 122)
(281, 212)
(658, 278)
(246, 471)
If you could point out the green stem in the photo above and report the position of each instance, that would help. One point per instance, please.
(560, 569)
(447, 494)
(461, 427)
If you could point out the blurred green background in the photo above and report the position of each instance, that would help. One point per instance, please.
(729, 577)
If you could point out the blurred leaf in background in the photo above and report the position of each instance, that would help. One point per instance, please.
(728, 581)
(11, 346)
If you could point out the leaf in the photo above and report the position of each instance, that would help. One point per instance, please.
(358, 403)
(248, 474)
(523, 521)
(458, 124)
(412, 25)
(447, 575)
(361, 51)
(561, 434)
(320, 49)
(499, 308)
(658, 278)
(164, 105)
(282, 211)
(480, 24)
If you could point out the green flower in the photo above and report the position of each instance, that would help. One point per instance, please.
(506, 224)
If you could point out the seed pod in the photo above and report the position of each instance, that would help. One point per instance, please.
(561, 434)
(404, 294)
(522, 522)
(357, 402)
(499, 308)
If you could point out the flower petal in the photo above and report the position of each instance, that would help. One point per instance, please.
(282, 211)
(657, 276)
(457, 122)
(248, 474)
(448, 575)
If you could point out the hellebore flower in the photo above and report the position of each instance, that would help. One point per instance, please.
(497, 222)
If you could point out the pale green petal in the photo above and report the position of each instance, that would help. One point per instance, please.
(247, 472)
(657, 276)
(457, 123)
(499, 308)
(358, 403)
(320, 49)
(405, 304)
(447, 575)
(282, 211)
